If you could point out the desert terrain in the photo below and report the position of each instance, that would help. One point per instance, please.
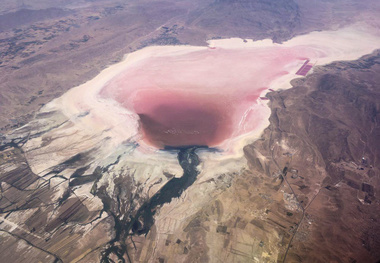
(178, 131)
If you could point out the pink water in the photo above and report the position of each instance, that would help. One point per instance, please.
(170, 118)
(201, 97)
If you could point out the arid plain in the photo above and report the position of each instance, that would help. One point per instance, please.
(291, 174)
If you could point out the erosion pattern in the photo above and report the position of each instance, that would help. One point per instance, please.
(306, 191)
(302, 192)
(128, 224)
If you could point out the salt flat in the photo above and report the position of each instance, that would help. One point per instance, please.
(99, 146)
(228, 76)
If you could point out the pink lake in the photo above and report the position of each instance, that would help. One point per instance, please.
(203, 97)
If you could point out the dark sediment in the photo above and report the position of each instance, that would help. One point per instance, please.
(143, 220)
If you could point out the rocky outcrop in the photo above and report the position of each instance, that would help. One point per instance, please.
(248, 19)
